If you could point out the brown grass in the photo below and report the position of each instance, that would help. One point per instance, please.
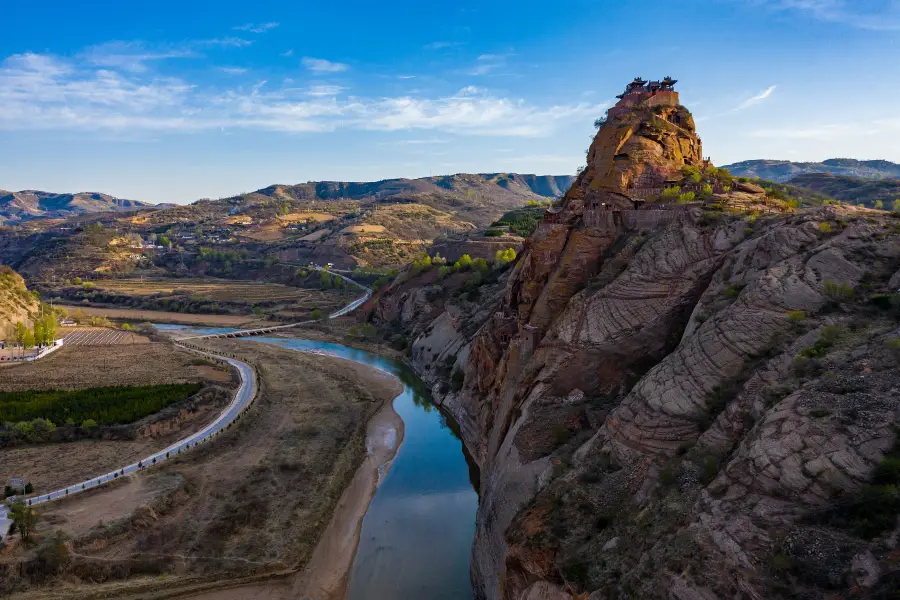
(210, 289)
(78, 368)
(255, 500)
(135, 315)
(315, 236)
(364, 229)
(303, 216)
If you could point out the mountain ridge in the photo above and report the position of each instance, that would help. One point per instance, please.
(26, 205)
(783, 171)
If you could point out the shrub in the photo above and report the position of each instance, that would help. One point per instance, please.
(444, 271)
(480, 265)
(686, 198)
(796, 316)
(825, 228)
(493, 233)
(504, 257)
(398, 342)
(464, 263)
(692, 174)
(827, 338)
(668, 476)
(24, 519)
(317, 314)
(671, 193)
(707, 190)
(887, 472)
(422, 263)
(838, 292)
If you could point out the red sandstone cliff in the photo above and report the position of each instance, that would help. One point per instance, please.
(669, 408)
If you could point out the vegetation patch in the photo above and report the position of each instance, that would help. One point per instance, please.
(874, 508)
(100, 406)
(523, 221)
(829, 336)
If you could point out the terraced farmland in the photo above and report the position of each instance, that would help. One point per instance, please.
(216, 290)
(102, 336)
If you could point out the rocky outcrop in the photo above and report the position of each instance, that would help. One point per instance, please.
(683, 340)
(693, 410)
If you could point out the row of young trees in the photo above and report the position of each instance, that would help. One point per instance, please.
(42, 333)
(104, 406)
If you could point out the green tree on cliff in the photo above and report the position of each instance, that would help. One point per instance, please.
(464, 263)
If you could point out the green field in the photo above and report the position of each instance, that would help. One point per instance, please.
(105, 406)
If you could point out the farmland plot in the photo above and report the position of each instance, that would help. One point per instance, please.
(101, 336)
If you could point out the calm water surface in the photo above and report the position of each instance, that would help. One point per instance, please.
(417, 535)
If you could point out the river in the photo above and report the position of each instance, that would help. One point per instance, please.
(417, 534)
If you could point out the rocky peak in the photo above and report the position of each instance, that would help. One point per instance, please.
(637, 151)
(688, 407)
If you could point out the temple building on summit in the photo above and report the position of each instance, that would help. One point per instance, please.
(653, 93)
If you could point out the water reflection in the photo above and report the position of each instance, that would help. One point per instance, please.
(417, 535)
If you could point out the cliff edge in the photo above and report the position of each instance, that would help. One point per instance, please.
(682, 389)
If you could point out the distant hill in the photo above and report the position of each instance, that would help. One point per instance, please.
(784, 170)
(855, 190)
(381, 223)
(34, 204)
(483, 196)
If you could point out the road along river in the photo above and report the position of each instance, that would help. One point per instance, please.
(417, 534)
(244, 395)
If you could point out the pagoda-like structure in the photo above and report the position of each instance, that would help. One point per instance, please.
(639, 91)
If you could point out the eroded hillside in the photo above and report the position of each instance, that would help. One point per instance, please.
(17, 304)
(676, 396)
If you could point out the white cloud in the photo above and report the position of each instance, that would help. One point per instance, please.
(228, 41)
(760, 97)
(487, 63)
(257, 27)
(864, 14)
(441, 45)
(130, 56)
(233, 70)
(41, 92)
(320, 65)
(324, 90)
(288, 53)
(416, 142)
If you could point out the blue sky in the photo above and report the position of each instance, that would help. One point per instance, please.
(173, 101)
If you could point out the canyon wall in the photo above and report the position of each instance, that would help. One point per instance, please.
(693, 410)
